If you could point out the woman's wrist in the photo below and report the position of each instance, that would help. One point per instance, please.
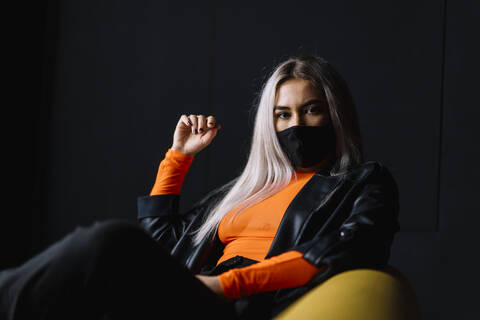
(213, 283)
(178, 149)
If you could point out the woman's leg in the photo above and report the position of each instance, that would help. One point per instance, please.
(112, 268)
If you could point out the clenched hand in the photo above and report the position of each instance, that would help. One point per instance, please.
(194, 133)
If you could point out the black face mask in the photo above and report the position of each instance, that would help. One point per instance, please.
(306, 146)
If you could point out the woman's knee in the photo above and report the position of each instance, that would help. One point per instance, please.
(110, 235)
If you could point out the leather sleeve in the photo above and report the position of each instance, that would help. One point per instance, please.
(158, 212)
(158, 215)
(364, 238)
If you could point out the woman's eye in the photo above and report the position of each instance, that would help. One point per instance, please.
(314, 110)
(283, 115)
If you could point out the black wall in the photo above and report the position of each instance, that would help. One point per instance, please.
(99, 87)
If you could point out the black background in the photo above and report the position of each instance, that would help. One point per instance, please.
(94, 90)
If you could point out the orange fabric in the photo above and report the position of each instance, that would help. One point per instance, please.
(286, 270)
(249, 234)
(171, 173)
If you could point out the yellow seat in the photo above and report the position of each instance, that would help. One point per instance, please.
(358, 294)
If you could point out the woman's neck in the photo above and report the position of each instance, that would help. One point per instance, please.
(325, 162)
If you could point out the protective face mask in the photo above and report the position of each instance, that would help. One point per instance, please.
(306, 146)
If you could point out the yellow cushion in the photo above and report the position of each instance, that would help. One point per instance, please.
(357, 294)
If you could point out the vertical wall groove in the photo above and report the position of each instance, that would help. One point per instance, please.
(211, 78)
(442, 111)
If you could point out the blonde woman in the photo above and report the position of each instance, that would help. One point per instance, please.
(305, 207)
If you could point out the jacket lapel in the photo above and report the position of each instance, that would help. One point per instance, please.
(311, 198)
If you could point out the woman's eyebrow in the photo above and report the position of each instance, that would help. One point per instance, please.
(309, 102)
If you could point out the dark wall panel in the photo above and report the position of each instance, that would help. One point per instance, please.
(125, 72)
(460, 208)
(24, 44)
(418, 255)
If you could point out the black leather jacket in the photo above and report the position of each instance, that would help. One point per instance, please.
(345, 221)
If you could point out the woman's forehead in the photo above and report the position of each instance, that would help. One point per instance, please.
(294, 92)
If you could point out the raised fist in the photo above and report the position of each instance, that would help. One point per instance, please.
(194, 133)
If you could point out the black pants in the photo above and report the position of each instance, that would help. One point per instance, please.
(110, 270)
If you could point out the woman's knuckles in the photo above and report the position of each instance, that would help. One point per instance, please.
(196, 133)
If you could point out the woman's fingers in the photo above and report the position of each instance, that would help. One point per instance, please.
(185, 120)
(203, 129)
(211, 121)
(208, 137)
(199, 123)
(194, 121)
(202, 123)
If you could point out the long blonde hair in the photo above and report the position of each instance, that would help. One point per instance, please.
(268, 169)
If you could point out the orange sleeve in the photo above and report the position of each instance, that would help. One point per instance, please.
(171, 173)
(286, 270)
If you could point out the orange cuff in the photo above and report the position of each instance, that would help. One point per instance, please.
(286, 270)
(171, 173)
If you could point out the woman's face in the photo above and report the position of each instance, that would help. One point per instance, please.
(299, 103)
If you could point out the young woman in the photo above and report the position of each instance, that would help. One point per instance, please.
(305, 207)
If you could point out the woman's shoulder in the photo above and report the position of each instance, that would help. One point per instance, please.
(371, 166)
(372, 170)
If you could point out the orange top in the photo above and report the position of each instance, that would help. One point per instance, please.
(250, 234)
(286, 270)
(171, 173)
